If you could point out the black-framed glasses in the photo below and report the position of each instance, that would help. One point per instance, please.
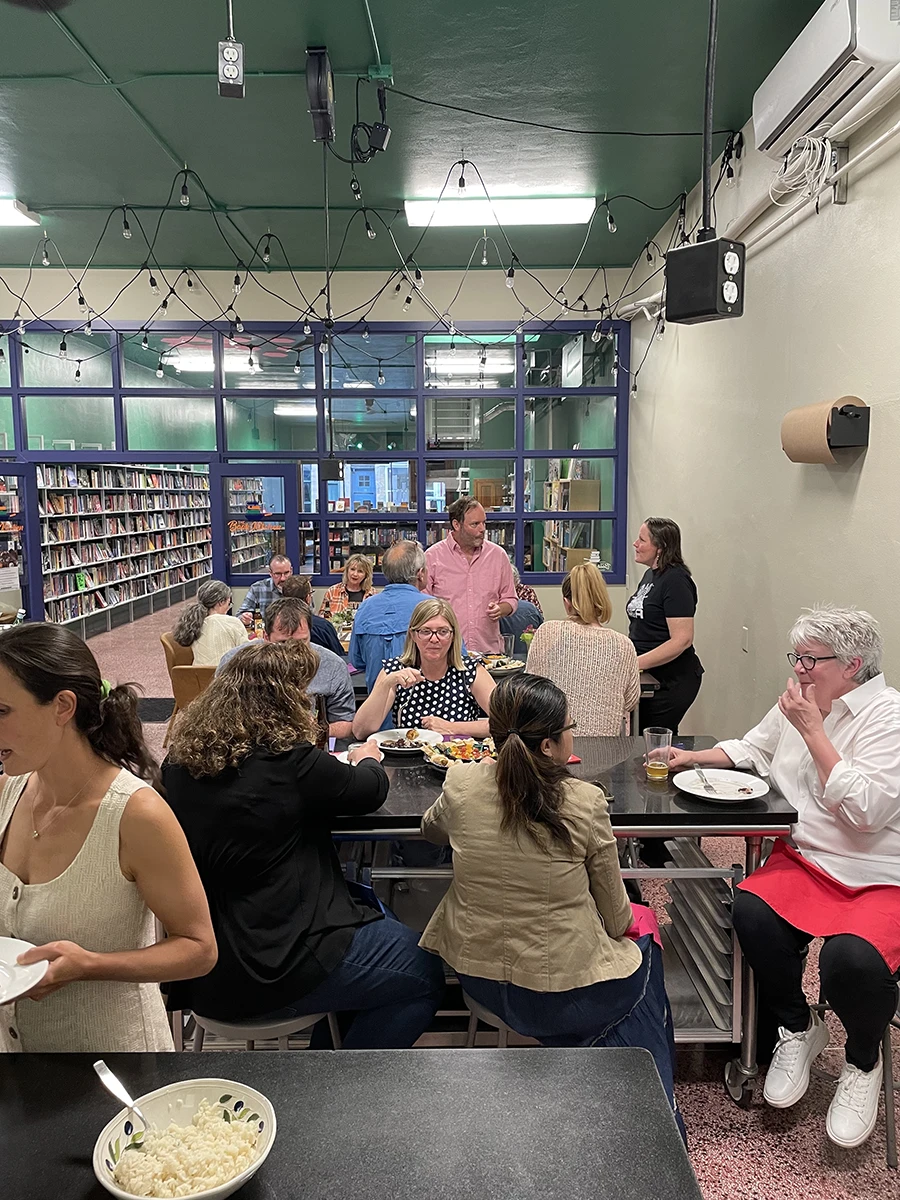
(808, 661)
(565, 728)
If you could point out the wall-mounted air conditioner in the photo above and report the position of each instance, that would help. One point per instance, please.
(847, 47)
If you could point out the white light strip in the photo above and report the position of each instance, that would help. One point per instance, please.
(511, 210)
(302, 409)
(14, 212)
(465, 366)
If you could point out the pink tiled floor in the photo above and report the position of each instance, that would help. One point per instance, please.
(754, 1154)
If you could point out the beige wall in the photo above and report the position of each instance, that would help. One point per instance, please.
(763, 536)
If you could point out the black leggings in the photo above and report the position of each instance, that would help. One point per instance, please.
(667, 707)
(854, 978)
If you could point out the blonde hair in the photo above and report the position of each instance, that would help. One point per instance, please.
(359, 560)
(585, 589)
(426, 611)
(258, 701)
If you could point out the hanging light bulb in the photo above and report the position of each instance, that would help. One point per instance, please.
(511, 276)
(2, 354)
(145, 345)
(370, 232)
(649, 255)
(251, 364)
(63, 348)
(461, 182)
(81, 300)
(483, 358)
(584, 307)
(381, 379)
(89, 329)
(21, 327)
(596, 333)
(185, 200)
(190, 282)
(307, 328)
(323, 345)
(164, 305)
(236, 285)
(365, 332)
(45, 255)
(238, 324)
(267, 250)
(126, 228)
(452, 348)
(355, 188)
(419, 279)
(78, 371)
(159, 368)
(297, 364)
(398, 289)
(407, 303)
(484, 258)
(154, 286)
(610, 220)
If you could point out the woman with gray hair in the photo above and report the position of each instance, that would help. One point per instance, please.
(831, 745)
(206, 627)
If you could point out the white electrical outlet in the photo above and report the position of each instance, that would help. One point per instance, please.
(745, 639)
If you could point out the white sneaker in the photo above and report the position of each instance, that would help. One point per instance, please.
(788, 1075)
(854, 1110)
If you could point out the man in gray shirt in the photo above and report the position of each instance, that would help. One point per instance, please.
(287, 618)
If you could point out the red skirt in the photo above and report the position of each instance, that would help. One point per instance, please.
(811, 900)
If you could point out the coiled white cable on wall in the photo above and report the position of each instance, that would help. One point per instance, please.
(804, 169)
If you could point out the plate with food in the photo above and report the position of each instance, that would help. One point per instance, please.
(405, 741)
(723, 786)
(502, 664)
(464, 750)
(205, 1136)
(15, 979)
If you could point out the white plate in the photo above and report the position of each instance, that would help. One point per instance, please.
(16, 980)
(341, 756)
(727, 785)
(391, 735)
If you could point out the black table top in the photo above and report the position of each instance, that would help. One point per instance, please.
(616, 762)
(384, 1124)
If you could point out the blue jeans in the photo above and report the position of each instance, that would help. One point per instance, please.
(386, 980)
(619, 1012)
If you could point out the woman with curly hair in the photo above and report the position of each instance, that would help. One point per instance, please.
(256, 800)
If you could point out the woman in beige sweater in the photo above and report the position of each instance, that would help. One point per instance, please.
(536, 920)
(596, 666)
(207, 628)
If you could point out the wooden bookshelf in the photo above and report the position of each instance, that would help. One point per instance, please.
(120, 541)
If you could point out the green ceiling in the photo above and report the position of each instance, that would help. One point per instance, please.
(588, 64)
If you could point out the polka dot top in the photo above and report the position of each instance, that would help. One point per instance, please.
(449, 698)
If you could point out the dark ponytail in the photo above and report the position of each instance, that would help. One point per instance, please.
(525, 710)
(48, 659)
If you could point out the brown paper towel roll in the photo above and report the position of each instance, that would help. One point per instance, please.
(804, 431)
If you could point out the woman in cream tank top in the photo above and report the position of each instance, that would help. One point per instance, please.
(82, 872)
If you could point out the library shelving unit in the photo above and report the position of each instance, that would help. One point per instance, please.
(560, 551)
(369, 540)
(119, 542)
(503, 533)
(249, 551)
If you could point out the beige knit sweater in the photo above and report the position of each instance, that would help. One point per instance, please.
(597, 669)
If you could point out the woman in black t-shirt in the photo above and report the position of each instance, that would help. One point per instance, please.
(661, 614)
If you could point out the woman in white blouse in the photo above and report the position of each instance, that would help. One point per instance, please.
(831, 746)
(206, 627)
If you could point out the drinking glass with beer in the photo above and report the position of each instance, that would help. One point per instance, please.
(658, 743)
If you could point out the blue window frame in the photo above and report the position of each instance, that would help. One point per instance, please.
(415, 415)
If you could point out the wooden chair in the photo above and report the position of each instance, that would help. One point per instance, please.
(187, 680)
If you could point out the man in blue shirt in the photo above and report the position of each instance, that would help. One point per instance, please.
(261, 594)
(381, 623)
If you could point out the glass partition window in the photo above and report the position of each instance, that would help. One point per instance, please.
(170, 422)
(570, 484)
(570, 360)
(373, 487)
(7, 435)
(372, 422)
(251, 544)
(70, 422)
(557, 546)
(4, 364)
(45, 365)
(280, 361)
(470, 422)
(379, 360)
(490, 480)
(470, 361)
(167, 360)
(570, 422)
(253, 496)
(503, 533)
(288, 423)
(369, 538)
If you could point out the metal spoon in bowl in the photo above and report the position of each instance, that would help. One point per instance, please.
(114, 1084)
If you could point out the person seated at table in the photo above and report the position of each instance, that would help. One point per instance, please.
(380, 629)
(536, 920)
(527, 617)
(257, 800)
(321, 632)
(524, 592)
(261, 594)
(290, 620)
(431, 684)
(206, 627)
(349, 594)
(831, 746)
(89, 852)
(597, 666)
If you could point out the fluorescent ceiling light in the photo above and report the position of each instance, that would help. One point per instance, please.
(465, 366)
(14, 212)
(512, 210)
(470, 340)
(302, 409)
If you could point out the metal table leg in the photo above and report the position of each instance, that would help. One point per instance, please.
(741, 1072)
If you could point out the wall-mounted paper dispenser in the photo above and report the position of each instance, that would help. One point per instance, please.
(812, 434)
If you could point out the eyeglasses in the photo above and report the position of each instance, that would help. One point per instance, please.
(565, 728)
(434, 635)
(808, 661)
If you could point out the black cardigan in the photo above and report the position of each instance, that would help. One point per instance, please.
(260, 835)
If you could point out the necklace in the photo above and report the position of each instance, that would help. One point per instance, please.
(35, 832)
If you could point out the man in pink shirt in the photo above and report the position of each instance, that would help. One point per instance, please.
(474, 576)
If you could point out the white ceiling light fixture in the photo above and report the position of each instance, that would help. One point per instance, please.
(465, 366)
(301, 409)
(509, 210)
(14, 212)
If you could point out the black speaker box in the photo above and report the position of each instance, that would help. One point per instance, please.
(705, 282)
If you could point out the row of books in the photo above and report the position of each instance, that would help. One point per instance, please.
(50, 475)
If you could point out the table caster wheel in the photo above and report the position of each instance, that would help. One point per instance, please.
(738, 1086)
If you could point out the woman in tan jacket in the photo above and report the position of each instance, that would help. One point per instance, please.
(536, 920)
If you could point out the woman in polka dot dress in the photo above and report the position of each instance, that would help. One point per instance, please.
(430, 685)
